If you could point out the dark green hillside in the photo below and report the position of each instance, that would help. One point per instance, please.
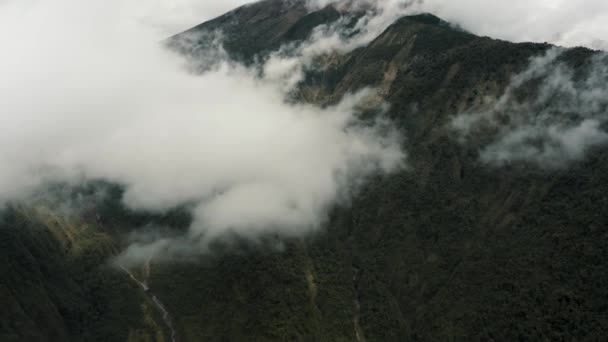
(56, 284)
(255, 28)
(449, 250)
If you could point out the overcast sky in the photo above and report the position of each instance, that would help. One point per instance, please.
(172, 16)
(566, 22)
(563, 22)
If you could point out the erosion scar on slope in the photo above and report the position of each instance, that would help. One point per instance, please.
(159, 305)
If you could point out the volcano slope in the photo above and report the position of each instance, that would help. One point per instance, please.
(455, 247)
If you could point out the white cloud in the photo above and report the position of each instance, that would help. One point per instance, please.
(169, 17)
(550, 146)
(556, 124)
(562, 22)
(88, 93)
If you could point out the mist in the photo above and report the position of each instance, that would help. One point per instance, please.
(561, 119)
(89, 93)
(560, 22)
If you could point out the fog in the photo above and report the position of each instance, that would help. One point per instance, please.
(560, 120)
(561, 22)
(88, 93)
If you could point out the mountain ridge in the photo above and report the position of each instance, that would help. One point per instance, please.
(449, 249)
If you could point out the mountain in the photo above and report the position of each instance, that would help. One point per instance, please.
(450, 248)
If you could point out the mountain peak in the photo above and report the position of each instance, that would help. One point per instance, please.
(262, 27)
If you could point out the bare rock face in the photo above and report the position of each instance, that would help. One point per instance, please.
(452, 248)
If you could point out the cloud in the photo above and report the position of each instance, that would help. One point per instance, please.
(561, 22)
(88, 93)
(361, 22)
(552, 146)
(170, 17)
(560, 117)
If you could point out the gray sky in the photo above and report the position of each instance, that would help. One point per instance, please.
(563, 22)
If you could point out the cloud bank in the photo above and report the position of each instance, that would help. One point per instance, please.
(550, 115)
(169, 17)
(89, 94)
(561, 22)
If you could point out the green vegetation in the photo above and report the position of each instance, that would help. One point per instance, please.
(448, 250)
(59, 289)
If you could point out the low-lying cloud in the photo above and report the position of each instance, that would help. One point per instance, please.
(561, 22)
(361, 22)
(550, 115)
(88, 93)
